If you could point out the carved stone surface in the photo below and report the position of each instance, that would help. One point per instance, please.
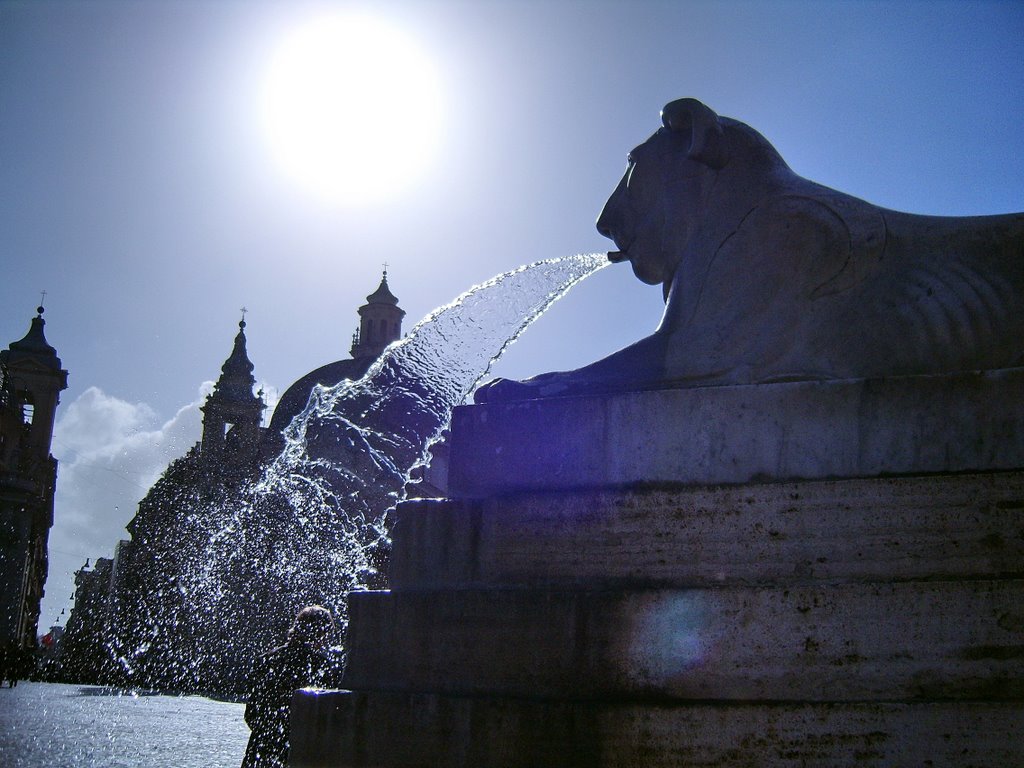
(935, 527)
(422, 730)
(796, 573)
(706, 435)
(896, 641)
(768, 276)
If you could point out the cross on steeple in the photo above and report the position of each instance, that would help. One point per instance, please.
(385, 270)
(42, 298)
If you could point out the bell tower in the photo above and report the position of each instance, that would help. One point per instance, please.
(232, 413)
(31, 380)
(380, 322)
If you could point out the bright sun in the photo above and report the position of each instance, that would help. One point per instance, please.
(351, 108)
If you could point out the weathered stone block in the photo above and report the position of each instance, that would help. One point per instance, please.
(842, 642)
(417, 730)
(799, 574)
(935, 527)
(742, 434)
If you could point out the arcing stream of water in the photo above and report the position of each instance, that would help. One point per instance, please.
(349, 453)
(373, 431)
(313, 527)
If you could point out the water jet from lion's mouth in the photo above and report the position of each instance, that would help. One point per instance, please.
(315, 526)
(391, 417)
(440, 362)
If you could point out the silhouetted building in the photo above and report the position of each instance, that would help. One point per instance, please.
(31, 379)
(151, 619)
(380, 324)
(233, 412)
(83, 649)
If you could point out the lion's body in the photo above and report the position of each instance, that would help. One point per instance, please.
(770, 277)
(799, 291)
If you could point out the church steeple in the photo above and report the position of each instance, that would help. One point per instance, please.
(232, 413)
(35, 381)
(31, 380)
(236, 380)
(380, 322)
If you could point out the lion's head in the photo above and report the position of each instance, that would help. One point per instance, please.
(657, 210)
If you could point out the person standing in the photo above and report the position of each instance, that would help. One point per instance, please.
(303, 661)
(15, 665)
(7, 665)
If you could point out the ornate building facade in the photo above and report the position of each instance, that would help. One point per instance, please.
(31, 380)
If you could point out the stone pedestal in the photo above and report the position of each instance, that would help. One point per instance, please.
(778, 575)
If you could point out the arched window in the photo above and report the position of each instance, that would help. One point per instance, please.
(28, 407)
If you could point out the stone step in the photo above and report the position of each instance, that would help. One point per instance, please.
(402, 730)
(842, 642)
(903, 425)
(931, 527)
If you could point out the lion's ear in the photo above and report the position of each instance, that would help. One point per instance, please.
(707, 143)
(709, 149)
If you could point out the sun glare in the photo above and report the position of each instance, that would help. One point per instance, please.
(351, 108)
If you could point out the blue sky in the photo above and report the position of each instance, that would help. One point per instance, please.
(136, 187)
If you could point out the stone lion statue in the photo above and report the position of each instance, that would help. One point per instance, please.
(769, 277)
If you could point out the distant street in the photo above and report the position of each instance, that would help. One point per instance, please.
(74, 726)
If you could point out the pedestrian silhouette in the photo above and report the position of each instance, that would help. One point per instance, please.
(303, 661)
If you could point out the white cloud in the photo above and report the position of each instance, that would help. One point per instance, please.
(109, 452)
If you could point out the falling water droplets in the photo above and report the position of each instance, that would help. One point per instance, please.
(314, 526)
